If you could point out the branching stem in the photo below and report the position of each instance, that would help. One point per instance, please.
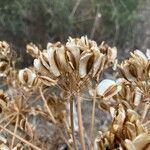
(20, 138)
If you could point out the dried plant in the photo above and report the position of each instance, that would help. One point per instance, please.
(62, 73)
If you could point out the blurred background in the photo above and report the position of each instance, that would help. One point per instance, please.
(123, 23)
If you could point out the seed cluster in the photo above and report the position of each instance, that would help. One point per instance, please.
(52, 90)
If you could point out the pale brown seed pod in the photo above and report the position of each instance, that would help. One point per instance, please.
(51, 59)
(61, 61)
(27, 77)
(86, 62)
(75, 51)
(33, 50)
(98, 62)
(107, 88)
(40, 67)
(136, 68)
(4, 48)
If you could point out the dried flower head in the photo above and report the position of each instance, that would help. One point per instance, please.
(125, 127)
(71, 66)
(136, 68)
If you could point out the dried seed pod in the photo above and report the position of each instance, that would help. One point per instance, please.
(61, 61)
(4, 48)
(107, 88)
(110, 53)
(136, 67)
(74, 50)
(125, 132)
(33, 50)
(86, 62)
(52, 61)
(140, 55)
(132, 115)
(27, 77)
(97, 64)
(40, 67)
(104, 106)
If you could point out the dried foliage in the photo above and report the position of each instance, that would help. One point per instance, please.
(51, 89)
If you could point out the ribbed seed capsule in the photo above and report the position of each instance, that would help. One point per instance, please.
(107, 88)
(27, 77)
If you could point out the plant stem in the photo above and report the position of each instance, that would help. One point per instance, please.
(15, 130)
(72, 123)
(52, 117)
(4, 119)
(81, 132)
(48, 109)
(93, 119)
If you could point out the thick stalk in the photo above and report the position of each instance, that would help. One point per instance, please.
(93, 119)
(72, 123)
(80, 123)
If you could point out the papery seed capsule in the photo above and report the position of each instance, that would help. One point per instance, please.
(60, 59)
(139, 54)
(51, 59)
(97, 64)
(85, 64)
(40, 68)
(75, 51)
(107, 88)
(26, 76)
(33, 50)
